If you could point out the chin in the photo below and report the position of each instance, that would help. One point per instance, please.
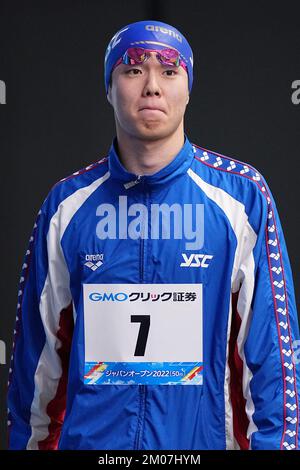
(152, 133)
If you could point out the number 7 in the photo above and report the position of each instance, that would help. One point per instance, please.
(144, 320)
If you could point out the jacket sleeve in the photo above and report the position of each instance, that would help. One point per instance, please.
(265, 336)
(44, 322)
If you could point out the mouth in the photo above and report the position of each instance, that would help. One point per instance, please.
(152, 109)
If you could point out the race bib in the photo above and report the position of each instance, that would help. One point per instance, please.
(143, 334)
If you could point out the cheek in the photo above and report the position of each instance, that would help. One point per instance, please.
(178, 94)
(178, 102)
(121, 104)
(125, 98)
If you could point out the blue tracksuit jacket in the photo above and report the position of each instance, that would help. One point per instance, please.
(156, 312)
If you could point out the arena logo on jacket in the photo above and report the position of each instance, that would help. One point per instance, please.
(93, 261)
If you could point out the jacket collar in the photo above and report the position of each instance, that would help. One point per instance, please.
(177, 167)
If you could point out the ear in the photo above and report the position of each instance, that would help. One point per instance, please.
(108, 96)
(188, 99)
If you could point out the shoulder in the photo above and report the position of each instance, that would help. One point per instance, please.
(89, 176)
(232, 178)
(216, 167)
(228, 165)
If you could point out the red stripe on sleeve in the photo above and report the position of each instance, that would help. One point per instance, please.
(57, 407)
(240, 419)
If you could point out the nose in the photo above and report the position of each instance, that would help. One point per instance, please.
(151, 87)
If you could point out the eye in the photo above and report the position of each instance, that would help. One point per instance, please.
(131, 70)
(171, 70)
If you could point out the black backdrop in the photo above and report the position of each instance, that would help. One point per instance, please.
(56, 118)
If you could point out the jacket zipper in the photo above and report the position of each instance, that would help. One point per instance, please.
(141, 417)
(142, 245)
(133, 183)
(142, 388)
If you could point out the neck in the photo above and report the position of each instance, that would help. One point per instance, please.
(145, 157)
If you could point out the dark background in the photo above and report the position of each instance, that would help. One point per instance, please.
(57, 120)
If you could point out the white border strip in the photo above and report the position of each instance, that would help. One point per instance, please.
(55, 297)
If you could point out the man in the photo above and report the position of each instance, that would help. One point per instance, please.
(156, 304)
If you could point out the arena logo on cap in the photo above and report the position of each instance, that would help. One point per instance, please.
(151, 27)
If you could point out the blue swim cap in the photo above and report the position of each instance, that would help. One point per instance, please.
(150, 35)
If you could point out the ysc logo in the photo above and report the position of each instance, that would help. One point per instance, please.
(195, 260)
